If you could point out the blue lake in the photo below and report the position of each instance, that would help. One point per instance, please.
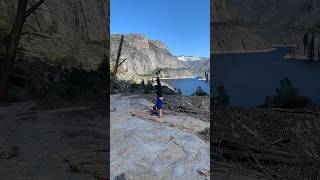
(188, 85)
(249, 77)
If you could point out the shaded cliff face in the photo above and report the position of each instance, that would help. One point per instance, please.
(229, 35)
(76, 19)
(64, 30)
(144, 56)
(263, 22)
(236, 38)
(220, 12)
(277, 21)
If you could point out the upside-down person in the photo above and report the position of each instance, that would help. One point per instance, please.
(159, 102)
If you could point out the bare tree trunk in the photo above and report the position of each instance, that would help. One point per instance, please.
(7, 59)
(7, 62)
(5, 71)
(117, 65)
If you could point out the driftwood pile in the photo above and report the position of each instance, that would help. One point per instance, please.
(196, 106)
(277, 143)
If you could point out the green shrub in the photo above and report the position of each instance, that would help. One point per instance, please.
(222, 97)
(142, 83)
(148, 89)
(199, 92)
(178, 91)
(81, 84)
(205, 133)
(134, 87)
(286, 97)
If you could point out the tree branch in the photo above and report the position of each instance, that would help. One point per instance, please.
(35, 34)
(33, 8)
(122, 62)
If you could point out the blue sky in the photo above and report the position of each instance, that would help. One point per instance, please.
(184, 25)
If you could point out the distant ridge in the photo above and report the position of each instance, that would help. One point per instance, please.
(191, 58)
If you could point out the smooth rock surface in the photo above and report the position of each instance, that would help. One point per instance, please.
(53, 144)
(144, 149)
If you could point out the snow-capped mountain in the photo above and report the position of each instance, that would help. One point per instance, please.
(198, 65)
(191, 58)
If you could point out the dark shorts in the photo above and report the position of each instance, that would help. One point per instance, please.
(159, 103)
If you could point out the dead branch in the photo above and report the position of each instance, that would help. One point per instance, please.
(122, 62)
(35, 34)
(278, 141)
(295, 111)
(33, 8)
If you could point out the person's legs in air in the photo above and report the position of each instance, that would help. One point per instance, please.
(159, 102)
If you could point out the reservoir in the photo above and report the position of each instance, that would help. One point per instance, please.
(249, 77)
(189, 85)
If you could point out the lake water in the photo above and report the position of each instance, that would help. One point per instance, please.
(250, 77)
(189, 85)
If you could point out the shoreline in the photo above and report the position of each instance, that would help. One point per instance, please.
(290, 57)
(286, 57)
(244, 51)
(168, 85)
(204, 80)
(299, 57)
(199, 77)
(185, 77)
(274, 47)
(280, 46)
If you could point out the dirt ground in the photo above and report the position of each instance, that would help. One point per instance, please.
(52, 140)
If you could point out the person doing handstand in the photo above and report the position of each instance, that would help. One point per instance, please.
(159, 102)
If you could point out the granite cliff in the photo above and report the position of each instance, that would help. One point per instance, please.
(258, 24)
(144, 56)
(228, 35)
(71, 32)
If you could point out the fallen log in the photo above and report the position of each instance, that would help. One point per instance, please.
(296, 111)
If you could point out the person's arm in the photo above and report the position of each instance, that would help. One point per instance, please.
(159, 88)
